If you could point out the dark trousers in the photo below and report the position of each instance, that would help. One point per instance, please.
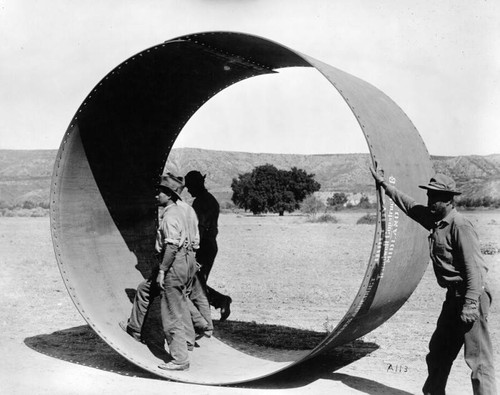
(199, 306)
(205, 256)
(450, 334)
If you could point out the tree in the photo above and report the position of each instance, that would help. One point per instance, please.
(241, 190)
(337, 200)
(267, 189)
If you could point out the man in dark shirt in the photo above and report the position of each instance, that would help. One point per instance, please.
(459, 267)
(207, 209)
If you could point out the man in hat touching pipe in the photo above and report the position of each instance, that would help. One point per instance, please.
(176, 239)
(459, 267)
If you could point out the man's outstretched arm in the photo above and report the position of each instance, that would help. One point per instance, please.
(406, 203)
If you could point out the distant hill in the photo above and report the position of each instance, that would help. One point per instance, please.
(25, 175)
(476, 176)
(341, 173)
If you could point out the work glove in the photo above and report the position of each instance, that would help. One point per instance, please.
(470, 311)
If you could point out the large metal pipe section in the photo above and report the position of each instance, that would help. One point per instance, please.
(103, 213)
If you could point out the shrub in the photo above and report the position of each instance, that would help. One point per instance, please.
(28, 205)
(45, 205)
(364, 203)
(8, 213)
(474, 202)
(337, 200)
(368, 219)
(39, 212)
(312, 205)
(323, 218)
(23, 212)
(489, 249)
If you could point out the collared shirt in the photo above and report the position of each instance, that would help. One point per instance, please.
(171, 228)
(207, 209)
(178, 225)
(454, 246)
(193, 234)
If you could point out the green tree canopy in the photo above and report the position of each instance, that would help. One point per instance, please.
(268, 189)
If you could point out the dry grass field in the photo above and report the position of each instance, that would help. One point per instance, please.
(282, 271)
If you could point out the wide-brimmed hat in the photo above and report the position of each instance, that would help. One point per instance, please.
(173, 183)
(442, 183)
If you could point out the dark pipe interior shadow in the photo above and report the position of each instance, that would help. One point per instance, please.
(129, 125)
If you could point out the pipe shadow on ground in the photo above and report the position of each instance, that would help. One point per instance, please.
(81, 345)
(322, 368)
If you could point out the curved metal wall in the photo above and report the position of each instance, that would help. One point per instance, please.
(103, 185)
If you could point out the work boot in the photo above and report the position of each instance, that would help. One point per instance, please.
(191, 346)
(174, 366)
(225, 309)
(135, 335)
(205, 332)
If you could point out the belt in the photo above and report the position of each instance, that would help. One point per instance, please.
(187, 246)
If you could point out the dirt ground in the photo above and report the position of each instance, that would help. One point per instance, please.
(48, 348)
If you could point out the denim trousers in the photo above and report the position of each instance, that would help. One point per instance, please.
(197, 302)
(175, 313)
(445, 344)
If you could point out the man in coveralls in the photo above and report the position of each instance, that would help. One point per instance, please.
(207, 209)
(459, 267)
(177, 237)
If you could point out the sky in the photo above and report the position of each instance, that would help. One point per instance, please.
(439, 61)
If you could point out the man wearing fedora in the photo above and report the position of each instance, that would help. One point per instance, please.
(207, 209)
(176, 239)
(459, 267)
